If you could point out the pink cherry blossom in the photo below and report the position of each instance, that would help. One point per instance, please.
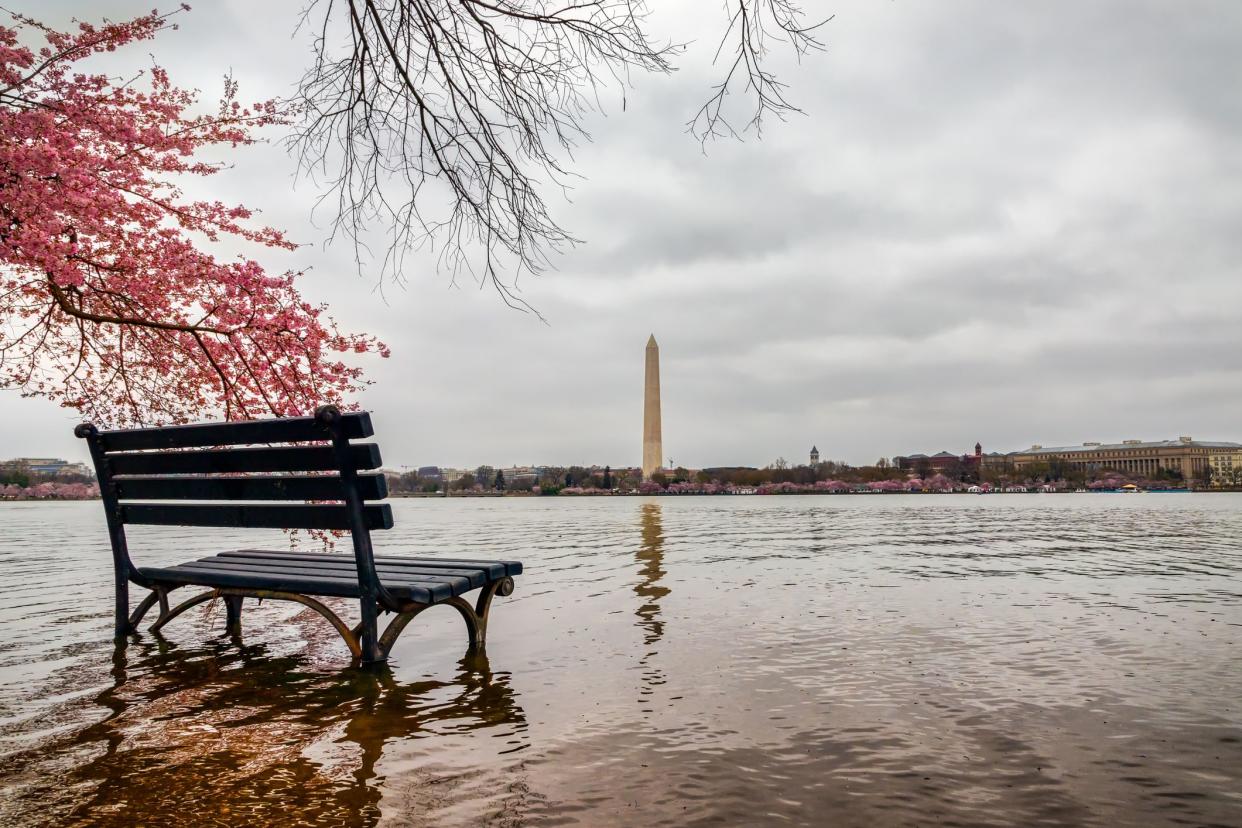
(108, 303)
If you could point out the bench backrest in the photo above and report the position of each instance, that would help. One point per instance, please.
(236, 462)
(227, 466)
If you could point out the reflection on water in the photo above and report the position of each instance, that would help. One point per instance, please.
(649, 590)
(239, 731)
(651, 560)
(801, 660)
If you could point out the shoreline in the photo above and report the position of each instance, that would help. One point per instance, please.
(441, 496)
(484, 495)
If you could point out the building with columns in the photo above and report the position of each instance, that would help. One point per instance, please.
(1188, 456)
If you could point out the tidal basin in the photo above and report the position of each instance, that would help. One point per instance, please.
(886, 660)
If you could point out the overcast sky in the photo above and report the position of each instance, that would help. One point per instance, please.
(1011, 223)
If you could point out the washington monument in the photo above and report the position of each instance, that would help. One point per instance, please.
(653, 441)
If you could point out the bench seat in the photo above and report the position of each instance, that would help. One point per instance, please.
(420, 580)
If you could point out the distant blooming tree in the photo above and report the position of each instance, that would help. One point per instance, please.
(109, 304)
(50, 491)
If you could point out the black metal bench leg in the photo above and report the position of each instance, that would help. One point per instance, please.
(393, 631)
(475, 617)
(167, 614)
(122, 627)
(159, 594)
(368, 627)
(483, 610)
(233, 608)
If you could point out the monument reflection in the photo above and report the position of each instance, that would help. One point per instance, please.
(650, 590)
(650, 557)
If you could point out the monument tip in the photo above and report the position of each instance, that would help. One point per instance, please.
(651, 343)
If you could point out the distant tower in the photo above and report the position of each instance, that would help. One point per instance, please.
(978, 450)
(653, 440)
(814, 455)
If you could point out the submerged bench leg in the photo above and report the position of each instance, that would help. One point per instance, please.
(233, 605)
(483, 607)
(368, 631)
(364, 641)
(233, 608)
(167, 615)
(159, 594)
(393, 631)
(122, 627)
(475, 617)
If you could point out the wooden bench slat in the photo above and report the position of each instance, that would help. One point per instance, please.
(510, 567)
(493, 569)
(323, 487)
(283, 430)
(233, 461)
(439, 587)
(301, 516)
(344, 563)
(458, 582)
(306, 585)
(188, 573)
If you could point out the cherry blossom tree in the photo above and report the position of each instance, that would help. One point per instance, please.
(110, 301)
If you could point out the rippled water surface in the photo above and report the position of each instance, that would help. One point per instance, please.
(887, 660)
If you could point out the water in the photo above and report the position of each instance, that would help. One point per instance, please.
(1000, 660)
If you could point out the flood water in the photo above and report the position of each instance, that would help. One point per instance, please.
(883, 660)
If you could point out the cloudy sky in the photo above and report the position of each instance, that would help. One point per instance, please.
(1010, 223)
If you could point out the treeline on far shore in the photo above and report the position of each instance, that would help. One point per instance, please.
(778, 477)
(18, 482)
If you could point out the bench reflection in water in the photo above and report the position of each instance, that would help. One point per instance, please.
(224, 733)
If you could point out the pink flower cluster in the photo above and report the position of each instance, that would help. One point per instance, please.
(109, 304)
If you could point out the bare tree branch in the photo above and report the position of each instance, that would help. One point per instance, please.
(446, 120)
(754, 26)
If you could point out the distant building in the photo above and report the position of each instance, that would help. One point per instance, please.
(814, 455)
(940, 461)
(1185, 455)
(995, 460)
(49, 466)
(430, 472)
(522, 474)
(1226, 466)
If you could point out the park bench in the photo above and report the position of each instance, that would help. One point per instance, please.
(234, 471)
